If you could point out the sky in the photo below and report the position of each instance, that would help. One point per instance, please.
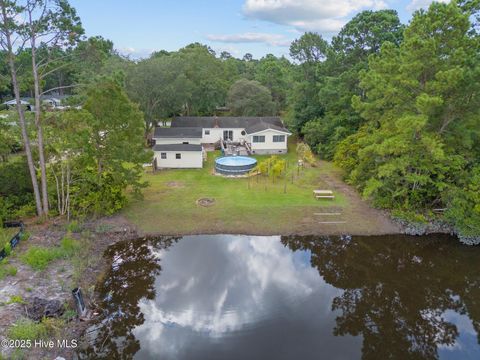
(259, 27)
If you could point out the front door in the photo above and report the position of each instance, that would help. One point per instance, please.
(228, 135)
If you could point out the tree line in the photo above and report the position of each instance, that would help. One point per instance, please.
(395, 105)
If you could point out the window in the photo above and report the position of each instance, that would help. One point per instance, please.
(163, 155)
(228, 135)
(207, 132)
(278, 138)
(243, 132)
(258, 139)
(178, 156)
(185, 142)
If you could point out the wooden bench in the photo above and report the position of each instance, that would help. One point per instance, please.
(323, 194)
(325, 197)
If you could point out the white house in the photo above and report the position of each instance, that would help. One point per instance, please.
(265, 135)
(178, 155)
(257, 135)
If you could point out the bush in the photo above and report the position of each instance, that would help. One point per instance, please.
(15, 299)
(69, 246)
(74, 227)
(16, 193)
(5, 237)
(7, 270)
(26, 329)
(305, 153)
(98, 198)
(24, 236)
(39, 257)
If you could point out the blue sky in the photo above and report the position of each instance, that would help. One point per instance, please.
(239, 26)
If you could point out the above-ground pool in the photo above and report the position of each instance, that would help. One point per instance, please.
(234, 165)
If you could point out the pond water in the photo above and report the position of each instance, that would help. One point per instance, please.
(250, 297)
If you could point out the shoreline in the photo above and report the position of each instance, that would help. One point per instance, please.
(55, 282)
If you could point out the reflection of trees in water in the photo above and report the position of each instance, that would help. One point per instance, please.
(396, 290)
(131, 278)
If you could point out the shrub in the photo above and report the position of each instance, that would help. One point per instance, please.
(74, 227)
(7, 270)
(5, 237)
(69, 246)
(305, 153)
(39, 257)
(15, 299)
(8, 249)
(24, 236)
(26, 329)
(16, 193)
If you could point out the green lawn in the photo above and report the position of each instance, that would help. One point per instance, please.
(254, 206)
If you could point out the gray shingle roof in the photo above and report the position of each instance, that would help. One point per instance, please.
(178, 132)
(264, 126)
(231, 122)
(177, 147)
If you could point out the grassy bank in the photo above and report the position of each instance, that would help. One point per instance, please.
(242, 206)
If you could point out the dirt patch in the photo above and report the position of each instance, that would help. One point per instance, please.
(60, 277)
(206, 202)
(175, 184)
(359, 217)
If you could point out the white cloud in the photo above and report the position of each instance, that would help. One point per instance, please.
(422, 4)
(315, 15)
(135, 53)
(251, 37)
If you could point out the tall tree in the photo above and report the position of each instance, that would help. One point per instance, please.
(421, 136)
(338, 76)
(116, 125)
(275, 74)
(310, 50)
(250, 98)
(10, 29)
(160, 86)
(53, 23)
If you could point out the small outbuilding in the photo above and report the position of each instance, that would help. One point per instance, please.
(178, 156)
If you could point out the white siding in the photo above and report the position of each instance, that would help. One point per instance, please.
(268, 146)
(190, 159)
(217, 133)
(161, 141)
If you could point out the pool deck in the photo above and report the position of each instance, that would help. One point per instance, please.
(232, 149)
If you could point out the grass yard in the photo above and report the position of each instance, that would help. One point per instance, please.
(243, 206)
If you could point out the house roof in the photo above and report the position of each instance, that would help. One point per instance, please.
(14, 102)
(177, 147)
(178, 132)
(232, 122)
(262, 126)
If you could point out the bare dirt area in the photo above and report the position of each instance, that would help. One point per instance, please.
(358, 218)
(59, 278)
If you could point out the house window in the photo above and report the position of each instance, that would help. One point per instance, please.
(278, 138)
(163, 155)
(207, 132)
(243, 132)
(228, 135)
(178, 156)
(185, 142)
(258, 139)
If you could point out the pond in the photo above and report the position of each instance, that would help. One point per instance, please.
(251, 297)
